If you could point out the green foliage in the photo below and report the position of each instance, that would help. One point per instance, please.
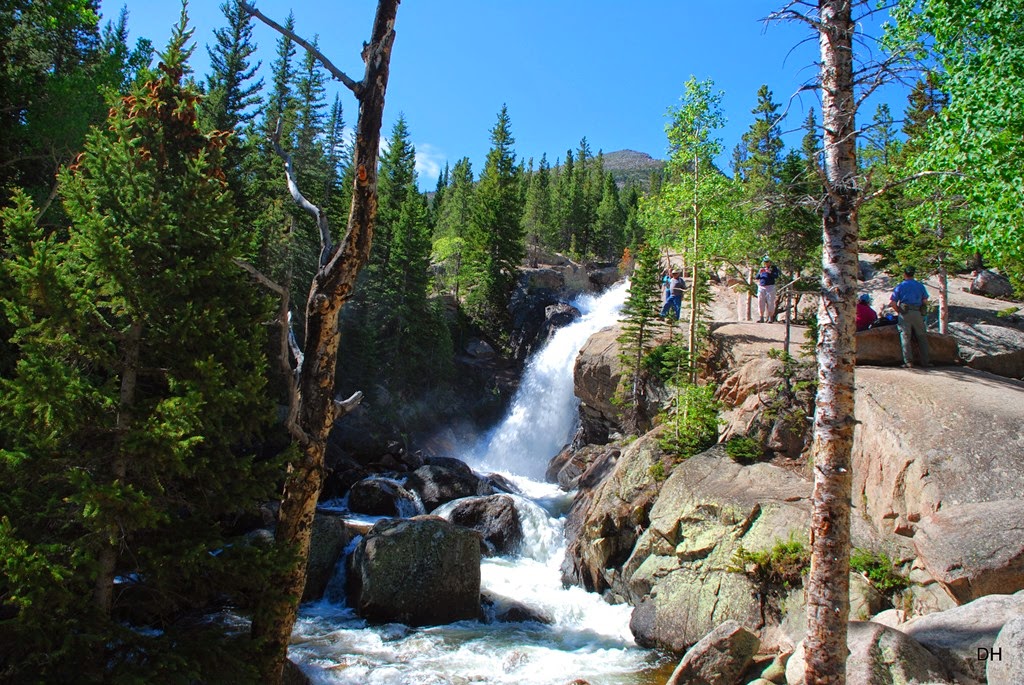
(638, 316)
(879, 569)
(980, 133)
(657, 471)
(744, 449)
(691, 421)
(774, 570)
(494, 245)
(131, 418)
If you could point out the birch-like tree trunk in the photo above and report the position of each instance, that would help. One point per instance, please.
(828, 580)
(313, 406)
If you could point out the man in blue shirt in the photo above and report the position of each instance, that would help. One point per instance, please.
(909, 300)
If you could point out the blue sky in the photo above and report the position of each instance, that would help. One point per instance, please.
(604, 69)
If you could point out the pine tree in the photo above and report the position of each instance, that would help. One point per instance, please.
(139, 386)
(610, 227)
(452, 227)
(639, 326)
(232, 93)
(538, 214)
(494, 242)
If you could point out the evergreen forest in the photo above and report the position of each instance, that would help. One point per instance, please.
(144, 210)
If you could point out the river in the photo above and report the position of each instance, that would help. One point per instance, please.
(586, 638)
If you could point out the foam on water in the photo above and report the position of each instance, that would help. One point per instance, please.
(582, 636)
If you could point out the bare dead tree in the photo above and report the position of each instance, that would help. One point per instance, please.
(313, 407)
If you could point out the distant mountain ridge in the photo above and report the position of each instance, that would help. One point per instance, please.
(630, 166)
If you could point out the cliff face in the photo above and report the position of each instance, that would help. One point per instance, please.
(938, 487)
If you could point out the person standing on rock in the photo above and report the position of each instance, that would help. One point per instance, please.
(766, 278)
(909, 299)
(675, 287)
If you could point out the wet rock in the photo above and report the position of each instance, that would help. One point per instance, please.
(570, 464)
(443, 479)
(609, 513)
(419, 571)
(329, 538)
(381, 497)
(719, 658)
(496, 519)
(879, 656)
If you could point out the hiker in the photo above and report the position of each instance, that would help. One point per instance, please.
(909, 299)
(674, 288)
(766, 278)
(865, 314)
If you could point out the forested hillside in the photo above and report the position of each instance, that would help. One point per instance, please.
(149, 238)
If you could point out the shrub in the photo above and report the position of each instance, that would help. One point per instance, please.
(744, 449)
(880, 571)
(779, 568)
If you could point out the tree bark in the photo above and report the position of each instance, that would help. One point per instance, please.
(316, 408)
(828, 580)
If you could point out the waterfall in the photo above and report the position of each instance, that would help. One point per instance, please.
(582, 636)
(543, 415)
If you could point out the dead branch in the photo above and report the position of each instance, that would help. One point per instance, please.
(907, 179)
(300, 199)
(334, 71)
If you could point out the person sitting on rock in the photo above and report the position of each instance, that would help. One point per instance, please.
(909, 299)
(865, 314)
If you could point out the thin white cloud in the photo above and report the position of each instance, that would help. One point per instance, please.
(429, 160)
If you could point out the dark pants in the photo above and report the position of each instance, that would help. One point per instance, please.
(912, 323)
(675, 302)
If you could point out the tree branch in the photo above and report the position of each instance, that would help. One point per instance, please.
(300, 199)
(355, 87)
(260, 278)
(343, 407)
(907, 179)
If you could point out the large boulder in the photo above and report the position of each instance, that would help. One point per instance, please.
(681, 575)
(377, 496)
(419, 571)
(610, 509)
(955, 636)
(495, 517)
(566, 467)
(881, 347)
(329, 538)
(996, 349)
(678, 575)
(720, 658)
(1006, 658)
(879, 655)
(991, 284)
(969, 564)
(596, 376)
(442, 480)
(928, 449)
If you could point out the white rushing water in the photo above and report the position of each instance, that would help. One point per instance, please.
(586, 637)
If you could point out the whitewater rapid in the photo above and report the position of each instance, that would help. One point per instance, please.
(582, 637)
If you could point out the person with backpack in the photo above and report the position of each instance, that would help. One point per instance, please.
(674, 288)
(909, 300)
(766, 279)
